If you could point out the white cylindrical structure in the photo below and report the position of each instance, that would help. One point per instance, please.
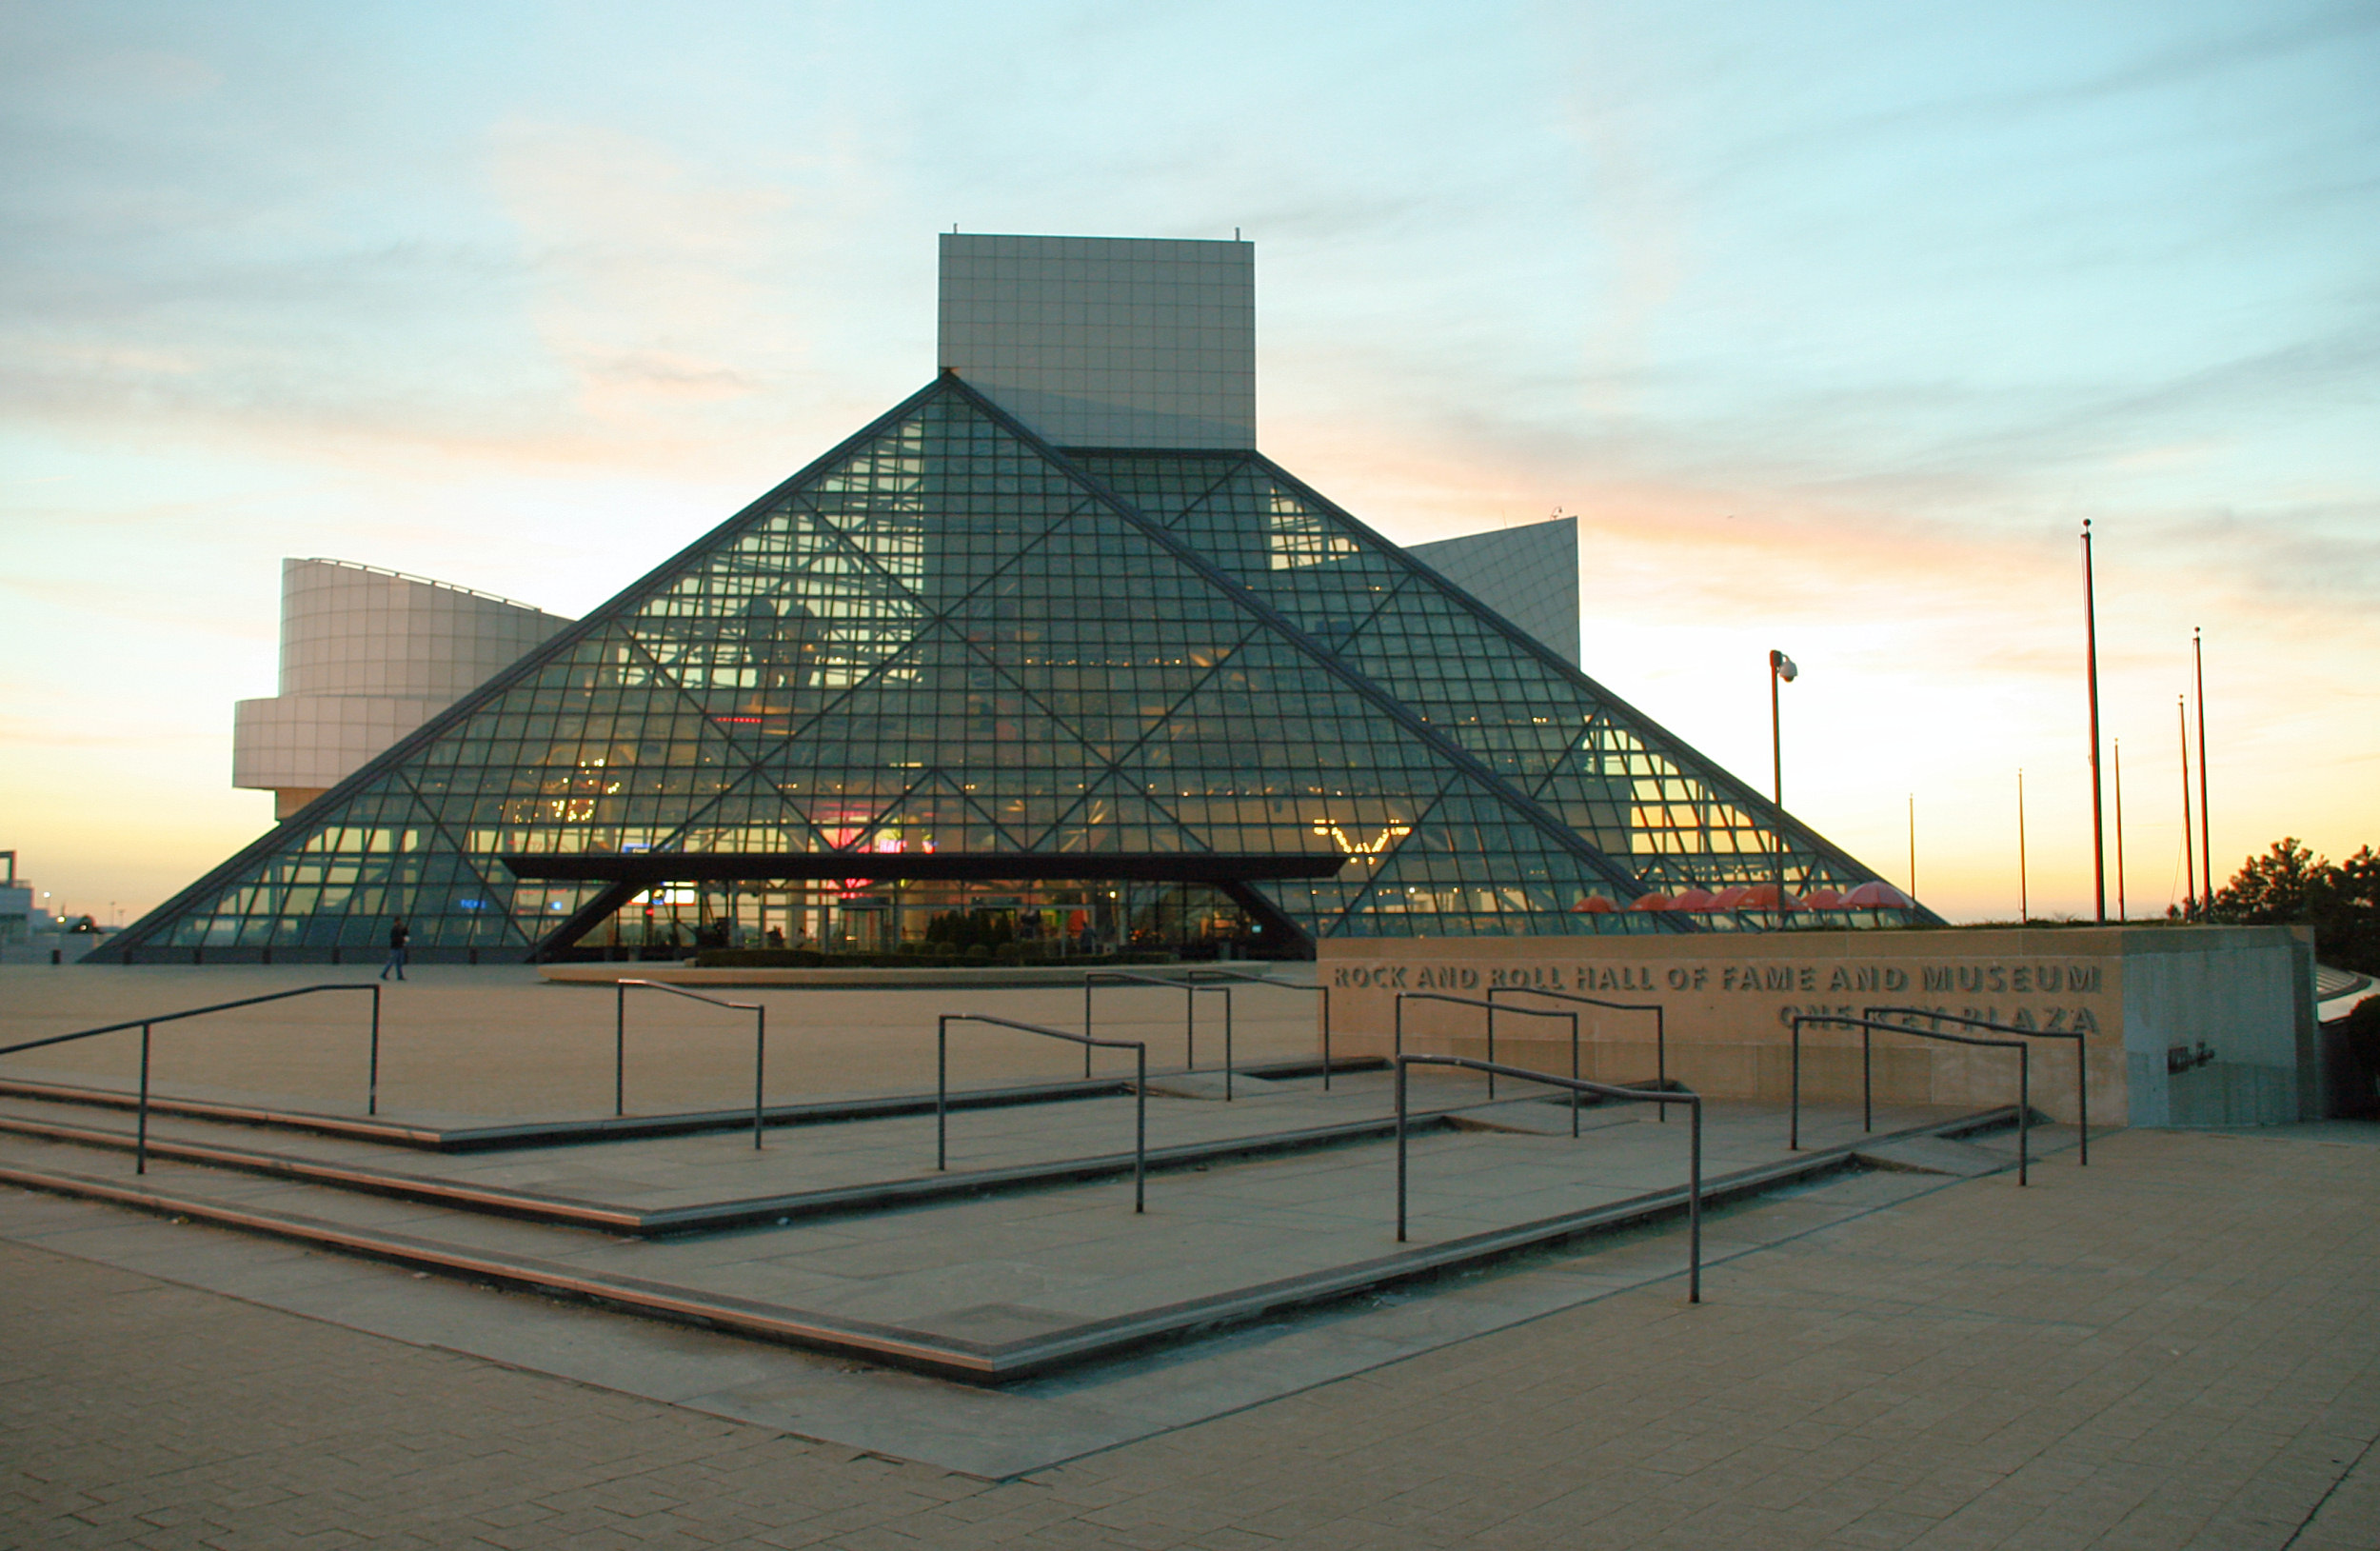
(366, 656)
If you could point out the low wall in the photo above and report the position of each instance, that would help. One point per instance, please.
(2198, 1026)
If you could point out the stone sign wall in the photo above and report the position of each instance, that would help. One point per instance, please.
(2157, 1008)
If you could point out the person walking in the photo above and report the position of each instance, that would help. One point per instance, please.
(397, 937)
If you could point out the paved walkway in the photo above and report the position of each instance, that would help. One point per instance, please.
(2177, 1348)
(461, 1045)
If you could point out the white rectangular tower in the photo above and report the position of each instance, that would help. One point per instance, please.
(1106, 341)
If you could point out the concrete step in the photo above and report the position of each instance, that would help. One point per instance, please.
(1240, 1242)
(1934, 1155)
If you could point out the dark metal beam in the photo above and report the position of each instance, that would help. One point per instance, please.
(648, 867)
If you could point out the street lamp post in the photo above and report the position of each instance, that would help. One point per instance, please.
(1781, 672)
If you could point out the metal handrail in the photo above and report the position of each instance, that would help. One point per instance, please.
(1609, 1090)
(620, 1042)
(1492, 1009)
(2082, 1056)
(1660, 1023)
(2024, 1072)
(1189, 1016)
(1283, 985)
(140, 1146)
(1140, 1087)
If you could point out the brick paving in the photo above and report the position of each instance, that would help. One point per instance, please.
(2178, 1348)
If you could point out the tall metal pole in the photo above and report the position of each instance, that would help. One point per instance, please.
(1781, 669)
(2091, 653)
(2189, 856)
(1776, 735)
(2206, 826)
(1912, 844)
(2024, 895)
(2121, 914)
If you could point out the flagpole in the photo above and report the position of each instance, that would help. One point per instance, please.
(2205, 828)
(2091, 654)
(2189, 856)
(2121, 913)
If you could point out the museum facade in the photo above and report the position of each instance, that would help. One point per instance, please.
(1049, 649)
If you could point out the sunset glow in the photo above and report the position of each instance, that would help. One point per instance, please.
(1831, 325)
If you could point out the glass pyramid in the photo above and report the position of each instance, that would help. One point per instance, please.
(1675, 818)
(948, 638)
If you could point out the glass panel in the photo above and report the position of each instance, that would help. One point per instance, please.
(950, 642)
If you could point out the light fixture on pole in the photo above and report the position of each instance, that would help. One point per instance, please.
(2091, 659)
(1781, 670)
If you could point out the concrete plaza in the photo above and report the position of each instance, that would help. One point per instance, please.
(2175, 1347)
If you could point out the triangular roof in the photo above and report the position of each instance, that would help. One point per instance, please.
(948, 631)
(1641, 795)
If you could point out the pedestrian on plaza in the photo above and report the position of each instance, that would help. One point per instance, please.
(398, 938)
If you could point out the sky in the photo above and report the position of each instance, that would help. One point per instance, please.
(1831, 323)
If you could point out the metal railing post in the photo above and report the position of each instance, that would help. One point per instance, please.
(2082, 1054)
(372, 1090)
(1574, 1077)
(1660, 1059)
(620, 1042)
(2024, 1109)
(1867, 1080)
(1661, 1098)
(1190, 989)
(1326, 1034)
(1227, 1054)
(1660, 1026)
(1868, 1027)
(1694, 1205)
(1141, 1088)
(1493, 1007)
(1793, 1134)
(140, 1145)
(759, 1059)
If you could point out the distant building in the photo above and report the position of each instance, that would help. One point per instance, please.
(16, 905)
(1048, 643)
